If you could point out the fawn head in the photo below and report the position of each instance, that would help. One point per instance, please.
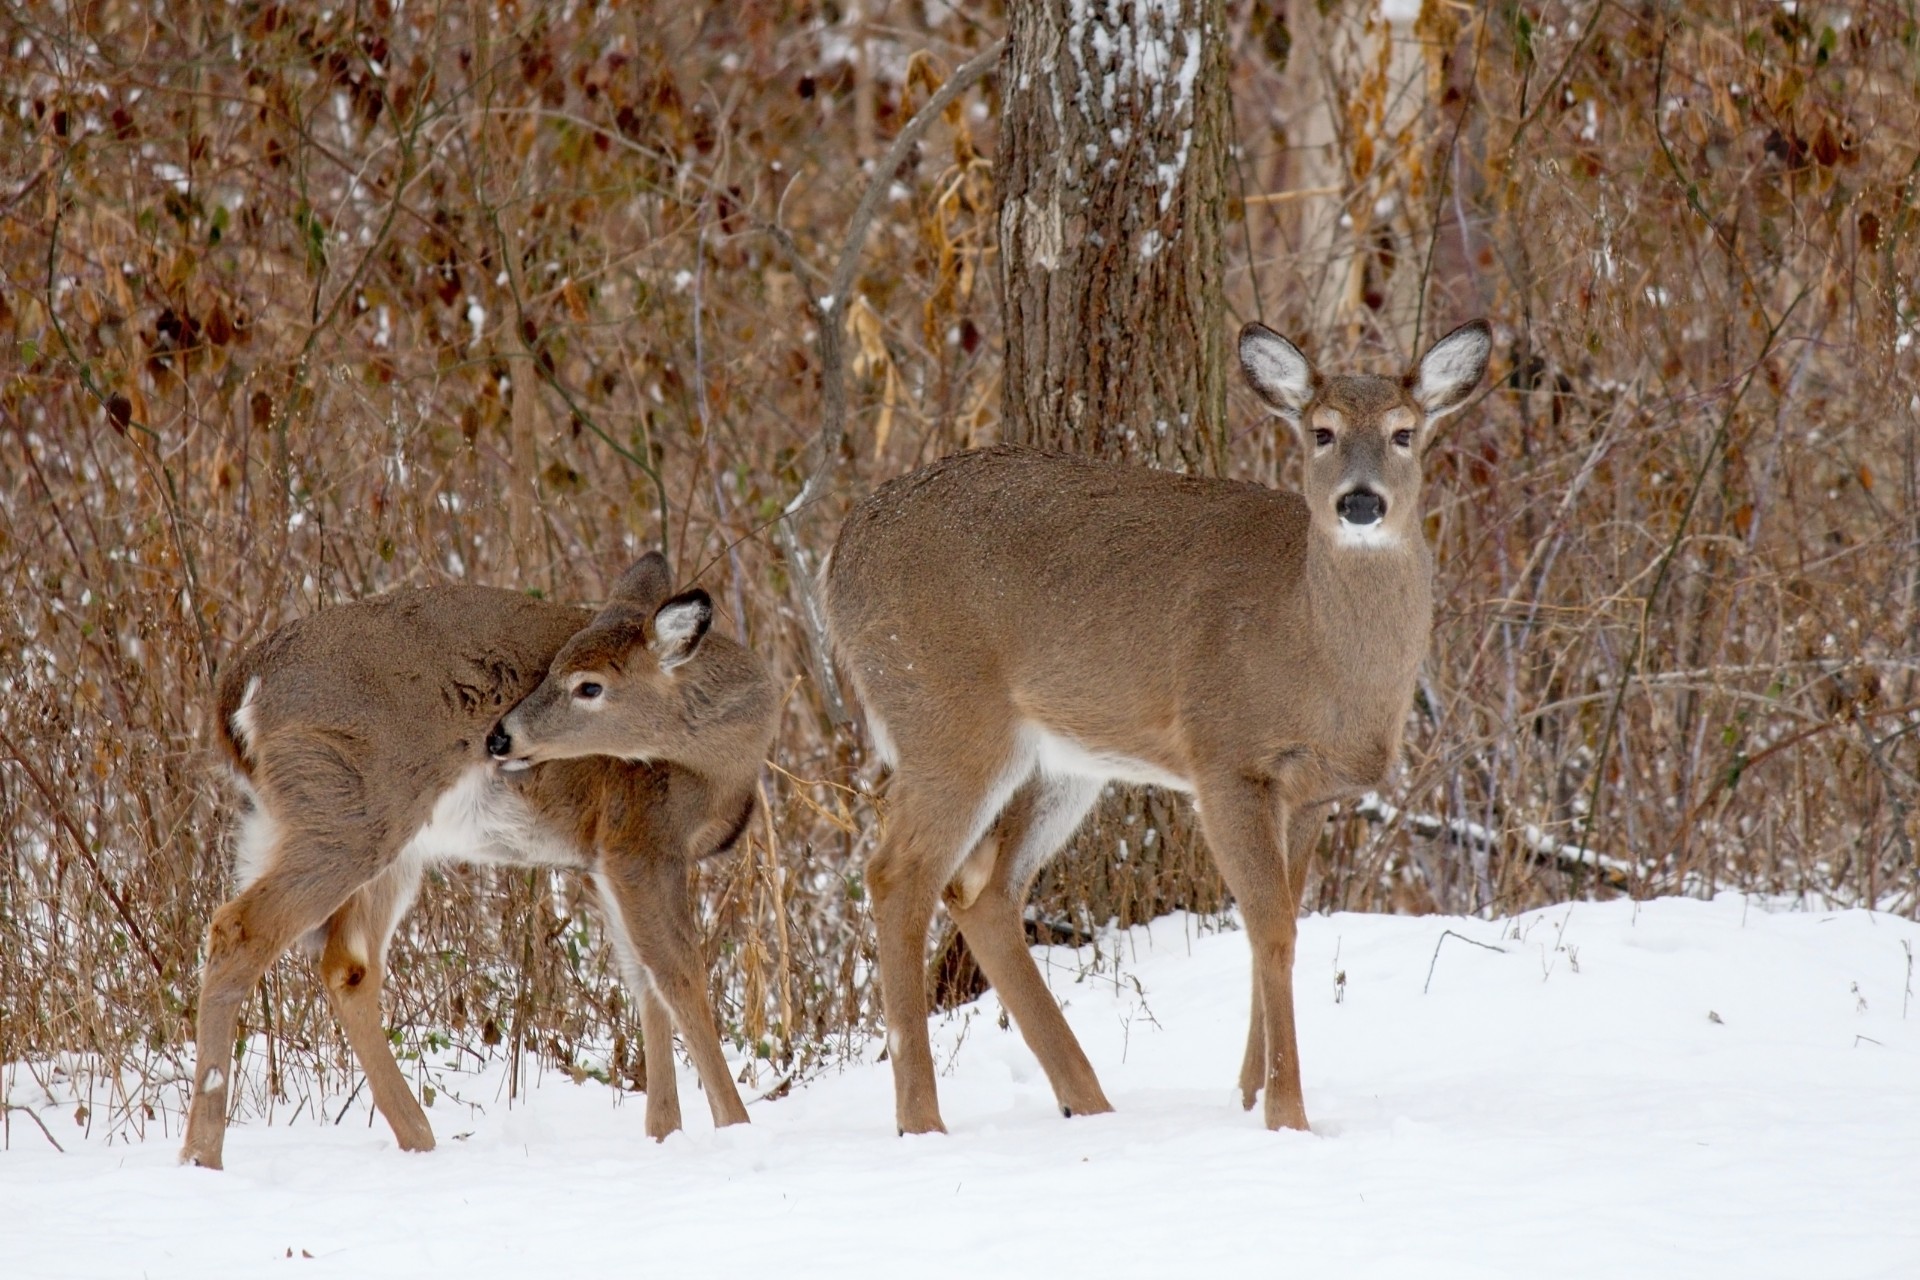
(1363, 436)
(612, 690)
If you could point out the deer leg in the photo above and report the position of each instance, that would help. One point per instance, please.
(1038, 820)
(1303, 831)
(933, 822)
(1243, 823)
(306, 881)
(663, 1084)
(352, 967)
(1253, 1063)
(651, 897)
(656, 1020)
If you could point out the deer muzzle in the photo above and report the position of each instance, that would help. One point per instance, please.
(500, 747)
(1361, 507)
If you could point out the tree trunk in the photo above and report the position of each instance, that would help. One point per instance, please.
(1112, 174)
(1112, 179)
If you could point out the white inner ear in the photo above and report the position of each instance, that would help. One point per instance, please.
(1451, 370)
(1277, 369)
(675, 628)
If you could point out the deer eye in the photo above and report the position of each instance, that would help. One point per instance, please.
(1403, 439)
(1322, 437)
(588, 690)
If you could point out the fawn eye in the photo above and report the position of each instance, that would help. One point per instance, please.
(1403, 439)
(1322, 437)
(588, 690)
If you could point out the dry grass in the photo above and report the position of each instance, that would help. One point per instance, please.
(299, 308)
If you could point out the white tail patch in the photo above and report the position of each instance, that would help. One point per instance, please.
(257, 835)
(214, 1080)
(242, 720)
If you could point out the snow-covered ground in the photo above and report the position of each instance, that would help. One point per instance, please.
(1676, 1088)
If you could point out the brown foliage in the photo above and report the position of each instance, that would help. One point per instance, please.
(301, 304)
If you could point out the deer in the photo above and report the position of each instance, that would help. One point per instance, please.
(1024, 627)
(371, 740)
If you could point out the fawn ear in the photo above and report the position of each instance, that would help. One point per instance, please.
(677, 627)
(1277, 371)
(1451, 369)
(645, 584)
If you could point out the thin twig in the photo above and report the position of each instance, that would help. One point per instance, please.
(31, 1114)
(1444, 935)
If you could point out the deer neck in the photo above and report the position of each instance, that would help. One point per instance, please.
(1369, 603)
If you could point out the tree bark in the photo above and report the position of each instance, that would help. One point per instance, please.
(1112, 169)
(1112, 174)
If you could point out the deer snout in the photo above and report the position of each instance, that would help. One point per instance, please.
(1361, 506)
(500, 747)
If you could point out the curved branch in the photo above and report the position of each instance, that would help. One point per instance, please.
(828, 313)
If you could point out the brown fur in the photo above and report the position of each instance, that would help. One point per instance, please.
(363, 716)
(1202, 633)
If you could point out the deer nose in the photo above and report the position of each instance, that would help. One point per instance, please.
(499, 742)
(1362, 506)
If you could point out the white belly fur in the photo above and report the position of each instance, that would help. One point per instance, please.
(1063, 757)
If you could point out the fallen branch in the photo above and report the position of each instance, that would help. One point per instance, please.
(1612, 872)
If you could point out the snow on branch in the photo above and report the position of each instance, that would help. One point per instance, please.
(1472, 835)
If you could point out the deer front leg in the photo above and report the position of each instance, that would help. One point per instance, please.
(1243, 824)
(1253, 1064)
(652, 898)
(1303, 830)
(663, 1082)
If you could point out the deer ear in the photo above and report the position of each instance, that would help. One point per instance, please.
(1451, 369)
(644, 585)
(1277, 371)
(678, 626)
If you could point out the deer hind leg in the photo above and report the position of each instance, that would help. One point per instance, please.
(308, 875)
(1303, 831)
(352, 967)
(651, 898)
(986, 900)
(1243, 821)
(656, 1021)
(934, 820)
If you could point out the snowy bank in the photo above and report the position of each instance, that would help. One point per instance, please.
(1674, 1088)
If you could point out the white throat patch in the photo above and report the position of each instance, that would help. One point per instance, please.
(1376, 535)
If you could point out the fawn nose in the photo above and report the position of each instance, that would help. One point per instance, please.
(1362, 506)
(499, 742)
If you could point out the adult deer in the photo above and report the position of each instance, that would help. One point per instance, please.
(1023, 627)
(369, 741)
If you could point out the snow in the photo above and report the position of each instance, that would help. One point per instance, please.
(1674, 1088)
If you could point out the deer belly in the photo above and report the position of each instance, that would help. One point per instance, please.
(1060, 756)
(483, 817)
